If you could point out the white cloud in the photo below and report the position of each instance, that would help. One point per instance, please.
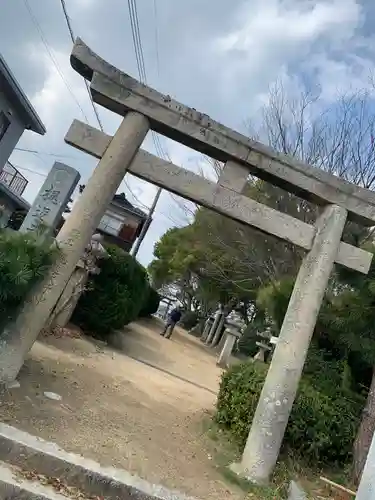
(59, 86)
(278, 24)
(277, 39)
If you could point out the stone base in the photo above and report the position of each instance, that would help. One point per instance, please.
(238, 469)
(220, 364)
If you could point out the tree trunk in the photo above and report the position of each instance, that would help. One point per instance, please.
(365, 432)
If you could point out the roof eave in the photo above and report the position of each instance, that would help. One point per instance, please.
(139, 214)
(29, 115)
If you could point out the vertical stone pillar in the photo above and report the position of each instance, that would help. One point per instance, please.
(69, 298)
(280, 387)
(219, 328)
(215, 324)
(19, 336)
(207, 328)
(366, 490)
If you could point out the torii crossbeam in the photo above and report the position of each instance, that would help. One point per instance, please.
(220, 197)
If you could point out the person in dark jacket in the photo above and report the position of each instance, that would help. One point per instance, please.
(173, 317)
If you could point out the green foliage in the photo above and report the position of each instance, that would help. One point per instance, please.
(189, 319)
(24, 259)
(114, 297)
(198, 261)
(322, 425)
(247, 342)
(274, 299)
(151, 303)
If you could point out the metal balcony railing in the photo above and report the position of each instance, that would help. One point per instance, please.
(13, 179)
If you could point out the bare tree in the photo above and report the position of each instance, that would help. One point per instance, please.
(339, 139)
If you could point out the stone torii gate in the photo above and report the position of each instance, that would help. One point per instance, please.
(143, 109)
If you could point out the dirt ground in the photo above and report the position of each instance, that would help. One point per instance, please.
(141, 411)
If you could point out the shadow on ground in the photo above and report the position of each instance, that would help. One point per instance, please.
(121, 412)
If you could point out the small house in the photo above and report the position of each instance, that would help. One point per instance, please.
(16, 116)
(122, 222)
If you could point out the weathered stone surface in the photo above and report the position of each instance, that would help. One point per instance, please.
(366, 490)
(18, 337)
(120, 93)
(217, 334)
(52, 199)
(296, 492)
(207, 328)
(223, 200)
(69, 298)
(34, 454)
(281, 384)
(234, 176)
(218, 316)
(230, 339)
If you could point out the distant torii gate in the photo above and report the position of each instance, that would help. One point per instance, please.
(144, 108)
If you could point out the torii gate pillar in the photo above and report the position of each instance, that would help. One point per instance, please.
(19, 336)
(281, 384)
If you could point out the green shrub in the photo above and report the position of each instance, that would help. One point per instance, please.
(151, 303)
(321, 427)
(189, 319)
(114, 297)
(274, 299)
(24, 259)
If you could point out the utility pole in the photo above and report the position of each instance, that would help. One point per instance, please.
(146, 224)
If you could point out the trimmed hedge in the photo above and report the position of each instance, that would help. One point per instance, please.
(24, 260)
(322, 426)
(114, 297)
(151, 303)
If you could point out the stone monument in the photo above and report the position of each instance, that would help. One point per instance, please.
(52, 199)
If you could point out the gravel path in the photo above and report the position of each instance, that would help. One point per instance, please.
(142, 413)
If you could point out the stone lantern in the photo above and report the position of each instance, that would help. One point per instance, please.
(232, 334)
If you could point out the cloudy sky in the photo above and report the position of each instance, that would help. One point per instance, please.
(218, 56)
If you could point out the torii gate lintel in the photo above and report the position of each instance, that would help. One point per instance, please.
(224, 197)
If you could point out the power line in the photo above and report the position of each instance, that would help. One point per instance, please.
(135, 196)
(63, 5)
(56, 155)
(140, 61)
(156, 38)
(50, 53)
(71, 32)
(138, 49)
(32, 171)
(137, 41)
